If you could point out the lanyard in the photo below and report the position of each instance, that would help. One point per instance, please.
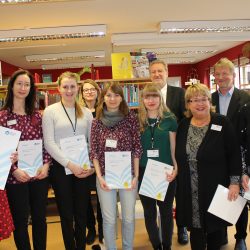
(152, 130)
(73, 127)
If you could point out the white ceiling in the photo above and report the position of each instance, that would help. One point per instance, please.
(129, 16)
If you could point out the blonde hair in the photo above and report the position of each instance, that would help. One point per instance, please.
(224, 62)
(95, 85)
(194, 90)
(157, 61)
(71, 75)
(116, 88)
(150, 89)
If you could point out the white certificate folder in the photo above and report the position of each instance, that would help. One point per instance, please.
(118, 169)
(76, 149)
(223, 208)
(154, 182)
(30, 156)
(9, 140)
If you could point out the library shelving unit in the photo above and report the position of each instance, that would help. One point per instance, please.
(131, 88)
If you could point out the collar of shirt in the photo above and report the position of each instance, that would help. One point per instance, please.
(224, 101)
(229, 93)
(164, 92)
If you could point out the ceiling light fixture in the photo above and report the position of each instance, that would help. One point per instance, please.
(181, 51)
(80, 55)
(155, 38)
(33, 1)
(205, 26)
(49, 33)
(71, 65)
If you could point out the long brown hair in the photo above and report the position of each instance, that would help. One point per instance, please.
(29, 100)
(71, 75)
(116, 88)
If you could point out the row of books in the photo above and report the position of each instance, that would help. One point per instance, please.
(131, 95)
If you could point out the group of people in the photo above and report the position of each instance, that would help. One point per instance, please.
(206, 138)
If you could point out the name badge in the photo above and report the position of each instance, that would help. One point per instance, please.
(216, 127)
(153, 153)
(11, 122)
(111, 143)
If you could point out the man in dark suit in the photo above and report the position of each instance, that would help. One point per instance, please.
(228, 101)
(174, 98)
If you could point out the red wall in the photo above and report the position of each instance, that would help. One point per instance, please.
(105, 72)
(203, 67)
(183, 70)
(8, 69)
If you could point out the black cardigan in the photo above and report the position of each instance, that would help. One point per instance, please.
(218, 158)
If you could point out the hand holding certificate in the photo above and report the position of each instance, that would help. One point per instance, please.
(9, 139)
(247, 194)
(154, 182)
(75, 148)
(30, 156)
(225, 209)
(118, 169)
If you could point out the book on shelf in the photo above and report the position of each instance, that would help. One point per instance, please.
(47, 78)
(131, 94)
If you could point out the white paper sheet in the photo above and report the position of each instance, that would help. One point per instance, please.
(76, 149)
(9, 139)
(118, 169)
(30, 156)
(154, 183)
(225, 209)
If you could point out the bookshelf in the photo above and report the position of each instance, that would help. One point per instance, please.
(47, 92)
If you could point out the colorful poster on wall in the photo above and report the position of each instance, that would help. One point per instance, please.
(121, 66)
(140, 65)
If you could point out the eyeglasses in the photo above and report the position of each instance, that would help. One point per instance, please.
(22, 85)
(196, 100)
(92, 90)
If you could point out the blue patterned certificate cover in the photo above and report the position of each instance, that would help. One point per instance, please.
(154, 182)
(9, 140)
(76, 149)
(30, 156)
(118, 169)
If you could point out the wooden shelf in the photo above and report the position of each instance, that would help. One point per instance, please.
(53, 85)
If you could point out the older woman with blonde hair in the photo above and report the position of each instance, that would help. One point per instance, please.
(207, 153)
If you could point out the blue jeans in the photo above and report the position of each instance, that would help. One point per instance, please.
(108, 202)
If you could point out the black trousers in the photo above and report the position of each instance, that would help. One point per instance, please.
(200, 240)
(241, 225)
(72, 197)
(24, 199)
(166, 213)
(91, 221)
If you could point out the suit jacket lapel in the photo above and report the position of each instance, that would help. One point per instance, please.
(233, 105)
(169, 96)
(215, 101)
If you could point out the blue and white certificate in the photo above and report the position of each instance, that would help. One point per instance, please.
(118, 171)
(9, 140)
(154, 182)
(76, 149)
(30, 156)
